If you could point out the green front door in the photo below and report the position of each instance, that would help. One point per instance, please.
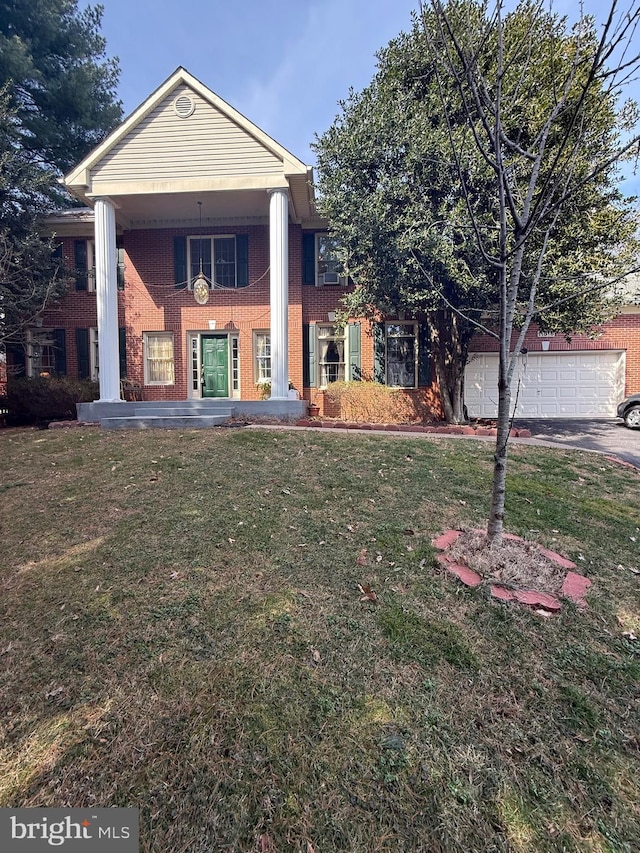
(215, 365)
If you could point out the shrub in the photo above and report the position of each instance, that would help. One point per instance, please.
(371, 402)
(42, 399)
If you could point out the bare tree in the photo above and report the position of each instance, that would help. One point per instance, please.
(544, 152)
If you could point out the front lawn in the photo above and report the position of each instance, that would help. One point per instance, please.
(183, 631)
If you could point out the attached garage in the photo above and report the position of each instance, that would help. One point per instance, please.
(549, 384)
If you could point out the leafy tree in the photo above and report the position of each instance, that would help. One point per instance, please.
(476, 179)
(541, 111)
(413, 199)
(61, 85)
(57, 101)
(30, 274)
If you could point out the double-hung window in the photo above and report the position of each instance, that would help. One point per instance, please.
(215, 257)
(84, 258)
(262, 350)
(321, 265)
(84, 255)
(331, 355)
(41, 359)
(329, 267)
(401, 342)
(94, 354)
(158, 358)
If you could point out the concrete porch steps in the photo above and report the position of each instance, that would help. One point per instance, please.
(184, 414)
(164, 421)
(188, 415)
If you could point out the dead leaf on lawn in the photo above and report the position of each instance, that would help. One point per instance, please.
(367, 593)
(315, 654)
(361, 559)
(266, 844)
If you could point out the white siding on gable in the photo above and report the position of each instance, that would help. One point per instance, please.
(165, 147)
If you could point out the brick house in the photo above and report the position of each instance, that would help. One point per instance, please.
(203, 274)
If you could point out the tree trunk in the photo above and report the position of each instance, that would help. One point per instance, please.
(495, 527)
(450, 346)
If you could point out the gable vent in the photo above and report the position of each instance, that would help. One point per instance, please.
(184, 106)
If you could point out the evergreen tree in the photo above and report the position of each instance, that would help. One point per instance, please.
(57, 101)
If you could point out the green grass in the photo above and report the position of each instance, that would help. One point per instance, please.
(182, 630)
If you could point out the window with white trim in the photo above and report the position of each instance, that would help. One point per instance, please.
(41, 358)
(329, 269)
(401, 354)
(91, 265)
(94, 357)
(158, 358)
(262, 356)
(235, 364)
(215, 257)
(331, 355)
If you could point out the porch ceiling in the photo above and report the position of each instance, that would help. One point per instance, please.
(182, 210)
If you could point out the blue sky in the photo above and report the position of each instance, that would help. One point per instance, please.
(283, 64)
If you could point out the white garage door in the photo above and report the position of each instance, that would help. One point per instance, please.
(549, 384)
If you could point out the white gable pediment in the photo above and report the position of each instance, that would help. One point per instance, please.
(184, 138)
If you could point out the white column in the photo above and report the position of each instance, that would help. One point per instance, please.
(279, 293)
(107, 299)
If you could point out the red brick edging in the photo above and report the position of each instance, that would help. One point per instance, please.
(440, 429)
(574, 587)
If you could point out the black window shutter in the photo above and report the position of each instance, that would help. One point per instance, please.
(180, 262)
(424, 356)
(60, 351)
(80, 262)
(17, 359)
(379, 360)
(309, 355)
(120, 266)
(122, 351)
(242, 260)
(82, 349)
(309, 259)
(355, 361)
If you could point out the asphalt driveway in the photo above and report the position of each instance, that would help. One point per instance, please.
(605, 434)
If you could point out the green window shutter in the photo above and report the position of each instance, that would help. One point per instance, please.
(242, 260)
(424, 356)
(309, 355)
(309, 259)
(60, 351)
(120, 267)
(379, 360)
(80, 262)
(180, 262)
(122, 351)
(82, 349)
(355, 359)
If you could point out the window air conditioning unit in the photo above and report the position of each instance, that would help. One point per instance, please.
(331, 278)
